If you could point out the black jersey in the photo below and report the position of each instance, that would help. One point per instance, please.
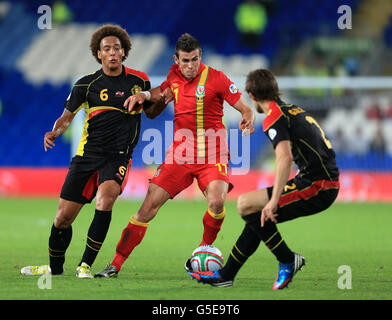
(108, 128)
(312, 151)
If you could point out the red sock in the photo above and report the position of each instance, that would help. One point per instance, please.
(212, 224)
(131, 236)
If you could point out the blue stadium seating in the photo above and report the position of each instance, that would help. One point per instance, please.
(28, 111)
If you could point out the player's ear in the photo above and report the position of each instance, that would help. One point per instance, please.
(99, 54)
(176, 60)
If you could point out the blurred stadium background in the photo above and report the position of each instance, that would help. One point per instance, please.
(342, 76)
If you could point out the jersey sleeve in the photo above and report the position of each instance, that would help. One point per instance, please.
(227, 89)
(164, 85)
(77, 97)
(276, 128)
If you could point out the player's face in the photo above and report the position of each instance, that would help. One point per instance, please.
(189, 63)
(256, 104)
(111, 53)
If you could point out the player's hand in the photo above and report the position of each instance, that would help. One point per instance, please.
(246, 126)
(167, 94)
(131, 101)
(268, 212)
(49, 140)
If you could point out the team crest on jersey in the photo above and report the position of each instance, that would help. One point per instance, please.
(200, 90)
(119, 94)
(135, 89)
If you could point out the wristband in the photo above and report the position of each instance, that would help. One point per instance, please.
(147, 94)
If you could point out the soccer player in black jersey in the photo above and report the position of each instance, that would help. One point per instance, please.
(101, 165)
(295, 136)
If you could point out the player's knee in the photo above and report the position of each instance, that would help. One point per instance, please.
(216, 204)
(242, 206)
(147, 212)
(105, 202)
(62, 220)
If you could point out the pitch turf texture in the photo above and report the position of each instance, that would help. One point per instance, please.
(357, 235)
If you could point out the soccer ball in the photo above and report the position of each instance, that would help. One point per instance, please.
(206, 258)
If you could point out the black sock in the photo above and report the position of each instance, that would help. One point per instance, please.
(96, 235)
(271, 237)
(59, 241)
(246, 245)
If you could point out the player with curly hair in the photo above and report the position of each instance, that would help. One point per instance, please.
(101, 165)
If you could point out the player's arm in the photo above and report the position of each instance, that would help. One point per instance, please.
(59, 128)
(154, 101)
(283, 167)
(248, 117)
(158, 102)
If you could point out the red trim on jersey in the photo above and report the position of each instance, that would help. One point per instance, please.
(140, 74)
(273, 115)
(94, 113)
(308, 192)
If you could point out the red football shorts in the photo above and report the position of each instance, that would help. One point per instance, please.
(177, 177)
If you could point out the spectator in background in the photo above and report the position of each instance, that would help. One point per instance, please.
(378, 143)
(251, 21)
(61, 13)
(357, 144)
(375, 112)
(339, 142)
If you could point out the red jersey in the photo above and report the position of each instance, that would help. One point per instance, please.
(199, 133)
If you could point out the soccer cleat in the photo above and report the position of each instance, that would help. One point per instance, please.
(188, 266)
(84, 271)
(36, 270)
(287, 272)
(109, 272)
(211, 277)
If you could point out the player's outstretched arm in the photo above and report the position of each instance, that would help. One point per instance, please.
(248, 117)
(283, 166)
(59, 127)
(152, 95)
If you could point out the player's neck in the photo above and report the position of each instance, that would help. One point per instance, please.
(264, 105)
(112, 72)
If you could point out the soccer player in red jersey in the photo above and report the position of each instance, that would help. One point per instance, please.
(199, 149)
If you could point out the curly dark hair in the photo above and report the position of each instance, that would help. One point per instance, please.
(106, 31)
(187, 43)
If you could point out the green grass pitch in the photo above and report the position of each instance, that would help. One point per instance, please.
(357, 235)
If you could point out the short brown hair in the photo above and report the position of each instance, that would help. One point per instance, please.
(187, 43)
(262, 84)
(106, 31)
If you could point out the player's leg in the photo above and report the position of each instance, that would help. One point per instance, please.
(59, 239)
(107, 194)
(249, 206)
(213, 218)
(168, 181)
(113, 176)
(214, 182)
(61, 233)
(134, 232)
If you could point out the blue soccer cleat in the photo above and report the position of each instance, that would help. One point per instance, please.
(211, 277)
(287, 272)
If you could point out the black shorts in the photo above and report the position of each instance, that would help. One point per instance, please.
(303, 197)
(86, 173)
